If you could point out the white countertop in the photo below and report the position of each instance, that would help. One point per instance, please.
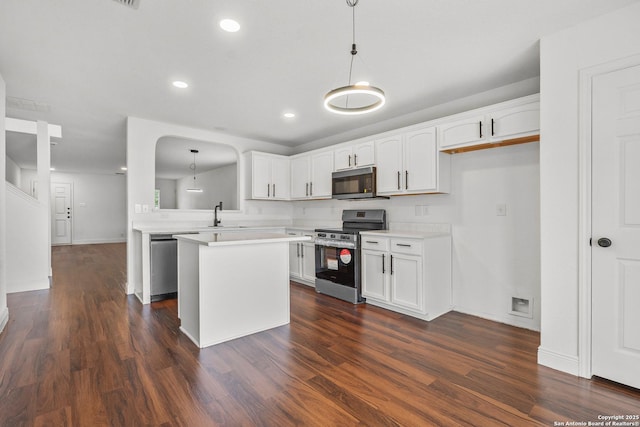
(239, 238)
(162, 229)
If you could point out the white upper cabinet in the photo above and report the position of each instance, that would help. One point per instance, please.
(463, 132)
(507, 123)
(354, 156)
(515, 121)
(410, 163)
(311, 175)
(267, 176)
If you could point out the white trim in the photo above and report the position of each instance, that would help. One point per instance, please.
(4, 318)
(557, 361)
(585, 143)
(97, 241)
(30, 127)
(31, 285)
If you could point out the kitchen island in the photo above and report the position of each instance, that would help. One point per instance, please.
(232, 284)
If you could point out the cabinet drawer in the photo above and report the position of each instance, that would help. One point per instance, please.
(375, 243)
(407, 246)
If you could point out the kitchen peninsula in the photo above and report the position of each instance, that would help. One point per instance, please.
(232, 284)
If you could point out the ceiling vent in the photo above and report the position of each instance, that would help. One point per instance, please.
(133, 4)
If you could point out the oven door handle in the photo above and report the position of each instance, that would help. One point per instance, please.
(335, 245)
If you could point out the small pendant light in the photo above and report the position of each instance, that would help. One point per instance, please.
(192, 166)
(360, 88)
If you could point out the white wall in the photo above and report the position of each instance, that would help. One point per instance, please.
(220, 184)
(99, 206)
(494, 257)
(28, 266)
(4, 311)
(12, 172)
(167, 189)
(606, 38)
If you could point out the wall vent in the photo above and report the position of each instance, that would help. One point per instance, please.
(134, 4)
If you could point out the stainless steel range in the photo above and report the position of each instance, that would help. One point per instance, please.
(338, 253)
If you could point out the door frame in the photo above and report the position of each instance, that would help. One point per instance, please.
(585, 143)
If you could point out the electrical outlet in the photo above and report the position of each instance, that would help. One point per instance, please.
(501, 209)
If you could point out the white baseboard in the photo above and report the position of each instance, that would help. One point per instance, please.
(518, 322)
(558, 361)
(4, 318)
(98, 241)
(33, 285)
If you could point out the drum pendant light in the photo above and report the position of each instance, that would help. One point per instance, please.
(192, 166)
(361, 88)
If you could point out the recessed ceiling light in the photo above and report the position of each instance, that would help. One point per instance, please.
(180, 84)
(123, 168)
(289, 115)
(229, 25)
(52, 169)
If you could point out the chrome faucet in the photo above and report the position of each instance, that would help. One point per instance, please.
(216, 221)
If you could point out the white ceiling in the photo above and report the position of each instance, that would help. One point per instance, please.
(89, 64)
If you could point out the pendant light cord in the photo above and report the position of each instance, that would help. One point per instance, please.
(354, 51)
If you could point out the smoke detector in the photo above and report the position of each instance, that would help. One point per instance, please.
(134, 4)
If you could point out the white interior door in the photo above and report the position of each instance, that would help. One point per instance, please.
(61, 214)
(616, 226)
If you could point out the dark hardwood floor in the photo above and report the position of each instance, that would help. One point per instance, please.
(85, 354)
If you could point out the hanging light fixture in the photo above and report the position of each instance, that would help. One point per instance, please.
(360, 88)
(192, 166)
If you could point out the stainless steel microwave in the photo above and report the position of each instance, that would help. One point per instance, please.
(354, 183)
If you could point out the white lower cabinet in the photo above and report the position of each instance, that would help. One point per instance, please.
(302, 261)
(409, 275)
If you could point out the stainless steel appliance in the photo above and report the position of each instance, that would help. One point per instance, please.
(164, 267)
(354, 183)
(338, 253)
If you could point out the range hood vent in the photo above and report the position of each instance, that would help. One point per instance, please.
(130, 3)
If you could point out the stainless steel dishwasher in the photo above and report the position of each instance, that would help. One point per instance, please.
(164, 267)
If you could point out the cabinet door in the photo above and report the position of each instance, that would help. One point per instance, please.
(389, 169)
(261, 176)
(343, 158)
(515, 122)
(464, 132)
(300, 177)
(294, 260)
(364, 154)
(420, 161)
(308, 264)
(374, 275)
(406, 281)
(280, 178)
(321, 169)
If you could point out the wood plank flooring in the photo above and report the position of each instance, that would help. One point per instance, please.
(85, 354)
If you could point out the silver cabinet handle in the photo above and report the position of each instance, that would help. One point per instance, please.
(480, 125)
(403, 245)
(311, 188)
(398, 180)
(306, 191)
(382, 263)
(301, 250)
(391, 264)
(298, 250)
(406, 180)
(268, 190)
(372, 241)
(355, 160)
(349, 160)
(274, 190)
